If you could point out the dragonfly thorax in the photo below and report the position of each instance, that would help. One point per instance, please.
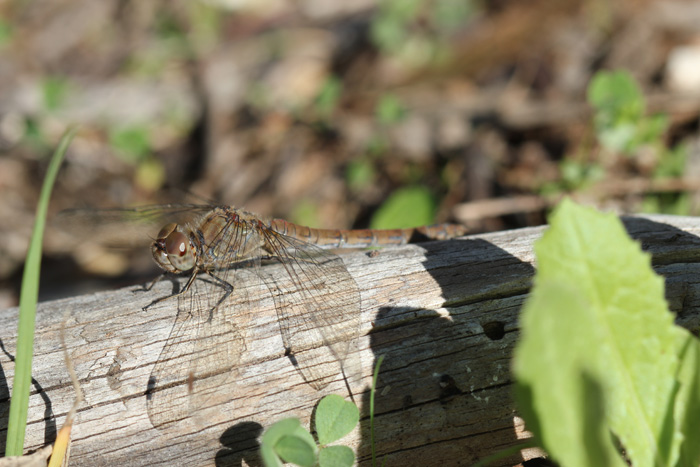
(173, 250)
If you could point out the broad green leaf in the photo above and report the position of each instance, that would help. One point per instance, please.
(598, 310)
(558, 396)
(336, 456)
(406, 207)
(296, 450)
(335, 418)
(687, 405)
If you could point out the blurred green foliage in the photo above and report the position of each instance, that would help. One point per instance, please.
(622, 126)
(132, 143)
(54, 90)
(416, 31)
(34, 136)
(389, 109)
(406, 207)
(329, 97)
(619, 113)
(578, 175)
(6, 32)
(360, 174)
(672, 162)
(305, 212)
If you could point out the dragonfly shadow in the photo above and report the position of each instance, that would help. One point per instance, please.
(445, 378)
(240, 443)
(49, 418)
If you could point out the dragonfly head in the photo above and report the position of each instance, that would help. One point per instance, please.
(172, 250)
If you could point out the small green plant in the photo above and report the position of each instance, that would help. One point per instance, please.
(619, 113)
(622, 126)
(577, 175)
(288, 441)
(335, 417)
(417, 32)
(600, 367)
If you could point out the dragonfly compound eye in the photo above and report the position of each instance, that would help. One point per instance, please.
(176, 244)
(166, 230)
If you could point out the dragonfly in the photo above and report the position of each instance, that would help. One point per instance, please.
(316, 299)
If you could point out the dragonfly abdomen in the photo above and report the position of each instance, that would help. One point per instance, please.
(364, 238)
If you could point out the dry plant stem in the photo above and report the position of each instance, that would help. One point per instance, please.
(489, 208)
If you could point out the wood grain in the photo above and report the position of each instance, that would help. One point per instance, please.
(443, 314)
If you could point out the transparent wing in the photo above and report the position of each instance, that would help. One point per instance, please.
(201, 354)
(125, 227)
(318, 306)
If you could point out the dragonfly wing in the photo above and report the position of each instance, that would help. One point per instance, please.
(125, 227)
(201, 354)
(318, 305)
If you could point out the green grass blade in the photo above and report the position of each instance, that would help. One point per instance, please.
(371, 408)
(29, 295)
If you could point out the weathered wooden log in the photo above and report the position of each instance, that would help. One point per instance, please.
(443, 314)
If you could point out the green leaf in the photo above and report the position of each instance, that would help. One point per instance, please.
(596, 332)
(688, 401)
(269, 456)
(559, 398)
(617, 94)
(285, 428)
(336, 456)
(619, 110)
(618, 137)
(296, 450)
(19, 404)
(335, 418)
(406, 207)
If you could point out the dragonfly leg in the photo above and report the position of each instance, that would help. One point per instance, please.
(228, 290)
(154, 282)
(177, 294)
